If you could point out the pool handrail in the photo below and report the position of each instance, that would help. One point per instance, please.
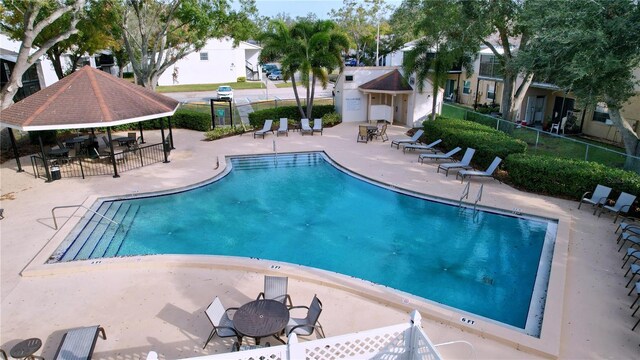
(55, 223)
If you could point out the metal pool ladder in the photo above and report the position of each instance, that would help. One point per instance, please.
(55, 223)
(465, 195)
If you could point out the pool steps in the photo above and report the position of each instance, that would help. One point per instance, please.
(99, 238)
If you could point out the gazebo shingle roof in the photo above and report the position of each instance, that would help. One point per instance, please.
(391, 82)
(87, 98)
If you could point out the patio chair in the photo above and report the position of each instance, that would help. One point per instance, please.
(284, 127)
(305, 128)
(1, 214)
(132, 135)
(317, 125)
(632, 253)
(559, 126)
(307, 325)
(449, 155)
(487, 173)
(428, 147)
(79, 343)
(382, 133)
(275, 288)
(265, 129)
(633, 238)
(413, 140)
(363, 134)
(598, 196)
(634, 269)
(622, 205)
(637, 289)
(464, 164)
(221, 322)
(106, 141)
(60, 144)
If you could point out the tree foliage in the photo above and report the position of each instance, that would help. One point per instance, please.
(311, 48)
(591, 48)
(440, 46)
(360, 19)
(36, 24)
(158, 33)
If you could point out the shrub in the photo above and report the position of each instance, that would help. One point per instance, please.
(127, 75)
(190, 119)
(567, 177)
(488, 142)
(331, 119)
(242, 79)
(221, 132)
(257, 118)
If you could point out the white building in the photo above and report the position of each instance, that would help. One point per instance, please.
(217, 62)
(383, 93)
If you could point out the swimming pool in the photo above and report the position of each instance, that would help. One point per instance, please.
(301, 209)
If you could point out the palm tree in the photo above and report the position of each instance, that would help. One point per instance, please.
(313, 48)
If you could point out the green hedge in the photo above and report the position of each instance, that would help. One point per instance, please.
(331, 119)
(257, 118)
(488, 142)
(190, 119)
(566, 177)
(221, 132)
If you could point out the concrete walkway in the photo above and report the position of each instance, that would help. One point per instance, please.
(157, 302)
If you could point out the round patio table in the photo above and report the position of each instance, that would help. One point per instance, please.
(261, 318)
(26, 348)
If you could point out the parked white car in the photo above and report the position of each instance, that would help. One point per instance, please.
(225, 92)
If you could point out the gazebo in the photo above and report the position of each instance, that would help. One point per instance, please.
(89, 99)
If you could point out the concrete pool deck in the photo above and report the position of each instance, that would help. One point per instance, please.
(156, 303)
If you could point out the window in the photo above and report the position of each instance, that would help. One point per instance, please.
(466, 87)
(348, 78)
(204, 56)
(601, 113)
(491, 91)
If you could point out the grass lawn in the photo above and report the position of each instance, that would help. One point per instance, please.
(566, 148)
(284, 85)
(208, 87)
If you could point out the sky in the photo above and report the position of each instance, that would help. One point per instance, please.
(296, 8)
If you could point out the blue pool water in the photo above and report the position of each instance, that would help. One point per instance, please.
(303, 210)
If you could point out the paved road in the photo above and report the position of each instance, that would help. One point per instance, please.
(251, 95)
(244, 97)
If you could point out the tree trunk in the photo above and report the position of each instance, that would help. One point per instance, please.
(295, 93)
(434, 103)
(629, 137)
(55, 56)
(310, 102)
(519, 97)
(507, 96)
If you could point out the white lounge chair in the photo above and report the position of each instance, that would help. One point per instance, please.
(449, 155)
(317, 125)
(598, 196)
(284, 127)
(265, 129)
(304, 123)
(79, 343)
(412, 140)
(428, 147)
(464, 164)
(622, 205)
(488, 173)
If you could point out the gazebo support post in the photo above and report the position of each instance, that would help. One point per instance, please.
(44, 160)
(141, 134)
(15, 149)
(113, 156)
(164, 147)
(170, 133)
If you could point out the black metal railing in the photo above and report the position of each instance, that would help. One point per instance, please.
(83, 166)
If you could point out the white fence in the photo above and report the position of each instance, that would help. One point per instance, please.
(397, 342)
